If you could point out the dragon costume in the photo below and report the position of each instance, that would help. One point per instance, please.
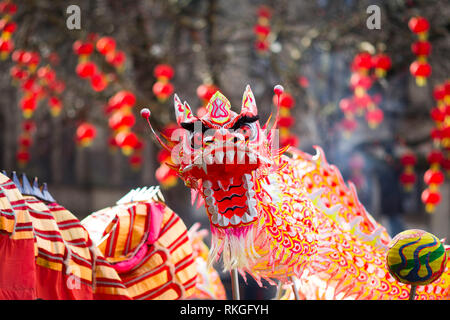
(277, 213)
(138, 249)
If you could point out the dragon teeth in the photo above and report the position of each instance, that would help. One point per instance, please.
(223, 221)
(207, 184)
(215, 218)
(246, 218)
(235, 220)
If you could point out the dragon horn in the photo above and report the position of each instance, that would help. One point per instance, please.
(183, 112)
(248, 102)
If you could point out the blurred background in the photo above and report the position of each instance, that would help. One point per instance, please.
(365, 80)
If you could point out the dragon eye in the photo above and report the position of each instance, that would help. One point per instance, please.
(247, 131)
(196, 140)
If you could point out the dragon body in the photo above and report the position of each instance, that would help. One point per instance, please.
(137, 249)
(276, 213)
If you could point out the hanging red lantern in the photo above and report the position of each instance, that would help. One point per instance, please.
(6, 46)
(362, 62)
(206, 91)
(166, 176)
(98, 82)
(431, 198)
(435, 177)
(163, 72)
(358, 80)
(421, 71)
(127, 141)
(285, 99)
(374, 117)
(382, 63)
(347, 106)
(162, 90)
(135, 161)
(85, 134)
(83, 49)
(28, 105)
(435, 157)
(262, 31)
(22, 157)
(121, 121)
(419, 25)
(116, 59)
(105, 45)
(421, 48)
(55, 106)
(408, 176)
(8, 7)
(286, 121)
(86, 69)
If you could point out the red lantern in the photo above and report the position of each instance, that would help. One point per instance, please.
(437, 115)
(264, 12)
(435, 157)
(6, 46)
(86, 69)
(105, 45)
(418, 25)
(433, 177)
(421, 48)
(162, 90)
(116, 58)
(82, 48)
(286, 100)
(374, 117)
(28, 105)
(55, 106)
(262, 31)
(347, 106)
(261, 45)
(358, 80)
(135, 161)
(421, 71)
(7, 7)
(85, 134)
(127, 141)
(122, 99)
(163, 72)
(430, 198)
(166, 176)
(362, 62)
(439, 92)
(286, 122)
(23, 157)
(206, 91)
(408, 179)
(121, 121)
(382, 64)
(29, 126)
(98, 82)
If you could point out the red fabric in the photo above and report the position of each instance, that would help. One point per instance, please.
(54, 285)
(18, 271)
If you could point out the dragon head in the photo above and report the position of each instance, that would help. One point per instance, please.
(220, 155)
